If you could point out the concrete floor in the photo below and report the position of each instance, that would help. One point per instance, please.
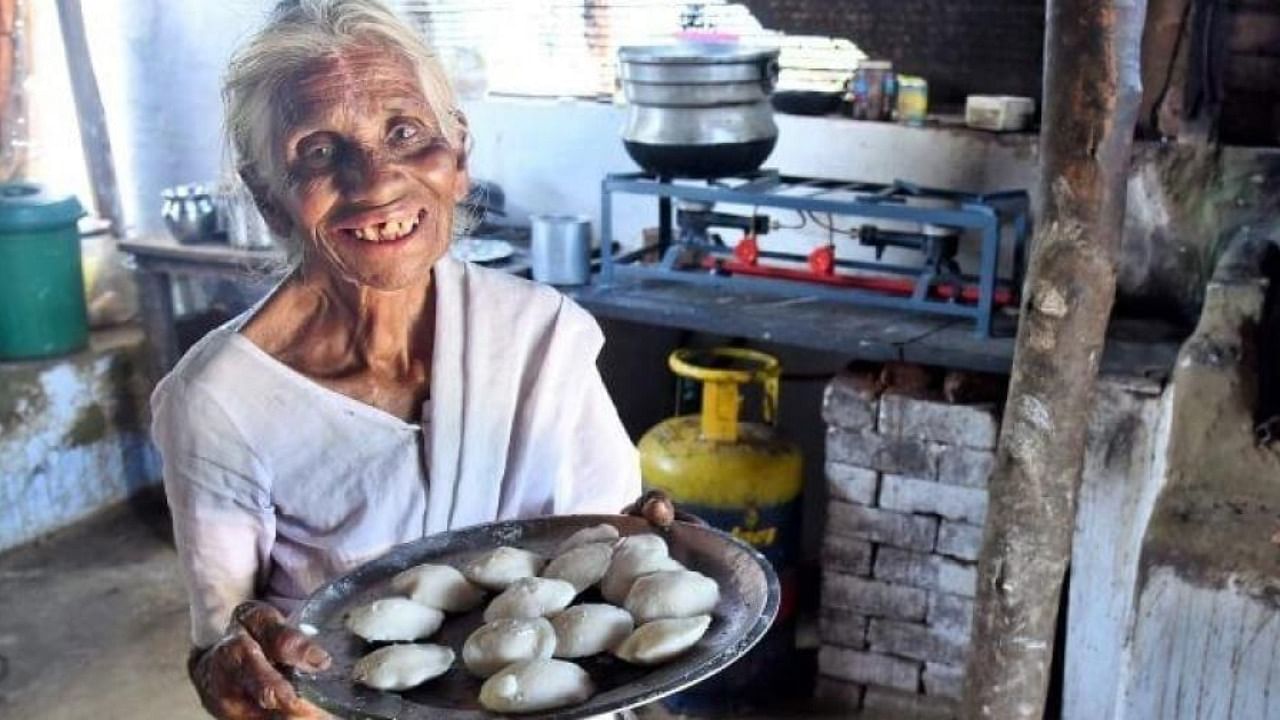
(93, 622)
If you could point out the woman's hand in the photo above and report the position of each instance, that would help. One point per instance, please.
(237, 678)
(657, 507)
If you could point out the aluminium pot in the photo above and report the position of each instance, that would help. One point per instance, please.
(698, 110)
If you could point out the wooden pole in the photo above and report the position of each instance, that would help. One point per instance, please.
(1092, 91)
(93, 119)
(8, 23)
(13, 106)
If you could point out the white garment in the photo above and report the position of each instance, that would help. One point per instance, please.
(277, 484)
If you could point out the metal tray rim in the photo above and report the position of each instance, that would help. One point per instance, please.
(389, 562)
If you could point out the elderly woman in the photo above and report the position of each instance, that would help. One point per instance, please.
(383, 391)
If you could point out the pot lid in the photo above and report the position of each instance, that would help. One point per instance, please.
(696, 53)
(27, 206)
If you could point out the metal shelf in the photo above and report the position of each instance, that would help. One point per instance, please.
(980, 217)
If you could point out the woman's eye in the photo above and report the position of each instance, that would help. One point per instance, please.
(405, 132)
(317, 154)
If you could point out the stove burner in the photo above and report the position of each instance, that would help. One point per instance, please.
(939, 223)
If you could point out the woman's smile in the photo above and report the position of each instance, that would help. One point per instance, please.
(372, 179)
(391, 229)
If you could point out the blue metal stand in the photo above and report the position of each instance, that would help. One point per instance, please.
(974, 216)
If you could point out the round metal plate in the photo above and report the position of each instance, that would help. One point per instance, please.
(749, 597)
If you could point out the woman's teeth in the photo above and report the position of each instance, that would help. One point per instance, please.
(387, 231)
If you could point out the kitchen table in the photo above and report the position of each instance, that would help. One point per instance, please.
(1141, 349)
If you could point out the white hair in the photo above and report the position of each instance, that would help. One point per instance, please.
(297, 34)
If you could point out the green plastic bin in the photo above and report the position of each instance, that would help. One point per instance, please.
(42, 308)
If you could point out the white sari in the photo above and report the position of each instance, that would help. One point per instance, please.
(278, 484)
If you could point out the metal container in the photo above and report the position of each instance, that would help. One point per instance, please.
(874, 90)
(741, 477)
(698, 109)
(190, 214)
(42, 307)
(913, 100)
(560, 249)
(1000, 113)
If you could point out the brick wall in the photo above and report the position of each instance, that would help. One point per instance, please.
(906, 477)
(959, 46)
(1251, 78)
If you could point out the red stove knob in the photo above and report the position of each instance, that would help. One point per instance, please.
(747, 250)
(822, 261)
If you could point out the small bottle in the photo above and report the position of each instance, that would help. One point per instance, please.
(913, 99)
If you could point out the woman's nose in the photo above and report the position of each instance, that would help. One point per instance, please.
(364, 174)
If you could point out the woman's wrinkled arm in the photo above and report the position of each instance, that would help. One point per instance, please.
(220, 503)
(224, 528)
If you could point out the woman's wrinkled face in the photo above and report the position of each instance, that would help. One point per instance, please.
(370, 182)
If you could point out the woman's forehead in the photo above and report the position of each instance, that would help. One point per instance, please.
(357, 81)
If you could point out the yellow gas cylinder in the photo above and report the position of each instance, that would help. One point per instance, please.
(742, 477)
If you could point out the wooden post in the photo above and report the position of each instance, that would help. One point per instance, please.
(93, 119)
(1092, 91)
(13, 113)
(8, 25)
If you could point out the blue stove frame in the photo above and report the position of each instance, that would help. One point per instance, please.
(987, 214)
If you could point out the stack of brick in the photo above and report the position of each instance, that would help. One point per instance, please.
(907, 485)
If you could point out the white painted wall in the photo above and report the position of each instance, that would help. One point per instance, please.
(159, 65)
(1122, 478)
(72, 437)
(1202, 653)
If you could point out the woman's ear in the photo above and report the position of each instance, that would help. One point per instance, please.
(464, 149)
(461, 184)
(462, 180)
(277, 219)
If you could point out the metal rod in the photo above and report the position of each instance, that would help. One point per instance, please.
(664, 218)
(970, 218)
(789, 289)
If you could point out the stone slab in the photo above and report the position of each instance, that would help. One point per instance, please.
(912, 532)
(965, 466)
(974, 426)
(924, 570)
(850, 401)
(942, 680)
(915, 641)
(960, 540)
(869, 668)
(870, 597)
(902, 456)
(847, 554)
(843, 628)
(951, 613)
(851, 483)
(913, 495)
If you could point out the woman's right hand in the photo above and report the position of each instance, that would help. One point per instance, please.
(237, 677)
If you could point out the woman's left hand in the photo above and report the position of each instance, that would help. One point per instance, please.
(660, 510)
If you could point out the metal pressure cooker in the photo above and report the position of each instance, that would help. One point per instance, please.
(698, 110)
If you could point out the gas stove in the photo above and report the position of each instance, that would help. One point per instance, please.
(927, 233)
